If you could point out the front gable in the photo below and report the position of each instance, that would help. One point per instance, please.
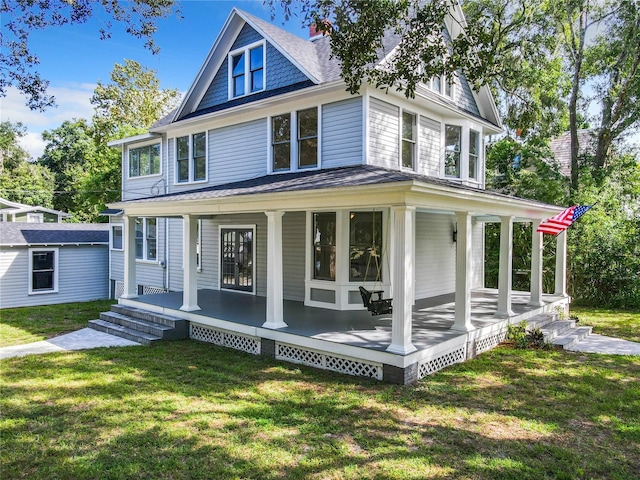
(284, 70)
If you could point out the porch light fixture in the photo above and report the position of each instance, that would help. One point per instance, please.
(455, 236)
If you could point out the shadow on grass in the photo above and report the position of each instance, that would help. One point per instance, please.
(191, 410)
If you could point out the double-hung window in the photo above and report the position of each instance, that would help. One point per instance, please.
(474, 149)
(408, 140)
(246, 70)
(146, 239)
(365, 247)
(144, 160)
(43, 268)
(294, 148)
(452, 149)
(191, 158)
(116, 237)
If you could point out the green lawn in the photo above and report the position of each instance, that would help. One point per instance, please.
(613, 323)
(188, 410)
(32, 324)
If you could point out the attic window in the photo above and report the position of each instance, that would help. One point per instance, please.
(246, 70)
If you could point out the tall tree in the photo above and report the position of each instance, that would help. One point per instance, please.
(20, 180)
(133, 100)
(18, 62)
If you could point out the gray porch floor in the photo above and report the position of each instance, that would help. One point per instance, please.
(432, 317)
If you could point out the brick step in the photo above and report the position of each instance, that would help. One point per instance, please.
(557, 328)
(162, 331)
(123, 332)
(572, 337)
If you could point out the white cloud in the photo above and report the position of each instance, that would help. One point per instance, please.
(72, 102)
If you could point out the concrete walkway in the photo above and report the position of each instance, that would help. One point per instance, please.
(89, 338)
(600, 344)
(78, 340)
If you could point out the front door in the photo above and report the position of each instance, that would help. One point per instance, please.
(237, 259)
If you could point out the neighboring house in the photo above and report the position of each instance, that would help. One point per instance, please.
(561, 148)
(19, 212)
(46, 263)
(270, 179)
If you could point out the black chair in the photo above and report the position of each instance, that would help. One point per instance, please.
(378, 306)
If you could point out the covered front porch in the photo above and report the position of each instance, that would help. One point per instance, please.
(357, 338)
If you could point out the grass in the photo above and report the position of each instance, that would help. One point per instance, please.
(188, 410)
(613, 323)
(32, 324)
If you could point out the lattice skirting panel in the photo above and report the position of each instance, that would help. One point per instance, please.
(226, 339)
(487, 343)
(438, 363)
(119, 289)
(292, 354)
(148, 290)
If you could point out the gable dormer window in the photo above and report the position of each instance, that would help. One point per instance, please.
(191, 158)
(246, 70)
(443, 85)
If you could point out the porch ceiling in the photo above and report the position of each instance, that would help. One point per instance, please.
(348, 187)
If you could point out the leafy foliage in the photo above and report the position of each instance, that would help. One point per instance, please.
(20, 180)
(18, 63)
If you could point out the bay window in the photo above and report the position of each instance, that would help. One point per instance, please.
(408, 140)
(474, 150)
(324, 246)
(365, 246)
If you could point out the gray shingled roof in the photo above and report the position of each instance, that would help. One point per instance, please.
(561, 148)
(342, 177)
(19, 233)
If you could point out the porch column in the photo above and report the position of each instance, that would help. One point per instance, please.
(275, 314)
(505, 276)
(130, 285)
(536, 266)
(464, 242)
(561, 264)
(190, 262)
(402, 280)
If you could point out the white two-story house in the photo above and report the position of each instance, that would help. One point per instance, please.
(259, 207)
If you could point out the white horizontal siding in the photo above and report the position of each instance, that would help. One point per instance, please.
(384, 134)
(429, 161)
(342, 133)
(83, 275)
(293, 248)
(435, 255)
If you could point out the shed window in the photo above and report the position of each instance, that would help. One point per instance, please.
(43, 270)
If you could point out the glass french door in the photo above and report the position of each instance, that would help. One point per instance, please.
(237, 259)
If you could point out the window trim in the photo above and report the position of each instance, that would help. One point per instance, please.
(56, 255)
(383, 236)
(144, 258)
(128, 158)
(461, 152)
(446, 82)
(475, 176)
(191, 159)
(111, 237)
(294, 141)
(246, 50)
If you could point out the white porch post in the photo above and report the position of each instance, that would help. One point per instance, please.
(464, 272)
(403, 280)
(275, 313)
(536, 266)
(189, 260)
(505, 276)
(561, 264)
(130, 285)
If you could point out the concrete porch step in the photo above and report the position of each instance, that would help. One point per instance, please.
(123, 332)
(557, 328)
(541, 321)
(572, 337)
(145, 326)
(153, 317)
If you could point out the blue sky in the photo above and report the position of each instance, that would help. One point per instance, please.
(74, 59)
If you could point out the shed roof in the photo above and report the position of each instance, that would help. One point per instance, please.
(31, 234)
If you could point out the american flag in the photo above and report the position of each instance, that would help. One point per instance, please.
(562, 221)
